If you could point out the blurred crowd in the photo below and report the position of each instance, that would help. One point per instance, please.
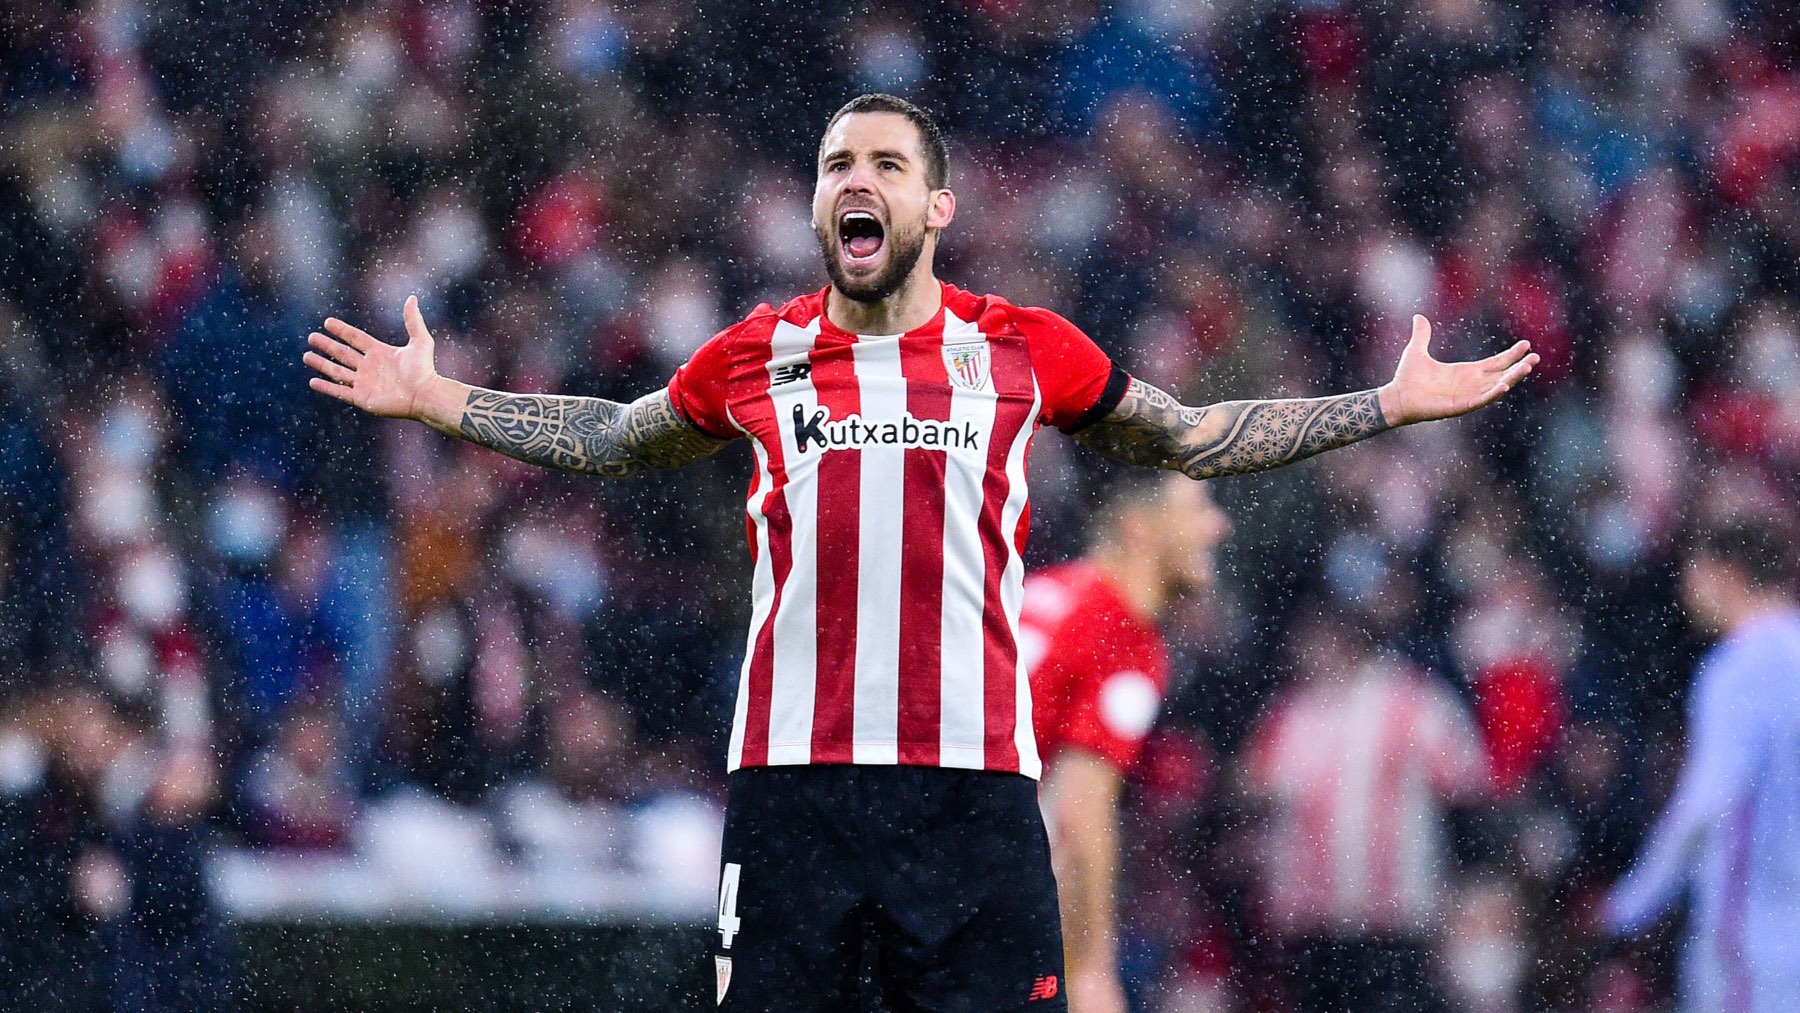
(233, 611)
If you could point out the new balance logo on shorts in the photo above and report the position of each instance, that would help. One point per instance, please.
(1043, 988)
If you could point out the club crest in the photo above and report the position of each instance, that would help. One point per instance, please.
(723, 966)
(967, 365)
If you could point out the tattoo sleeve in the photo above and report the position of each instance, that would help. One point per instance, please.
(1232, 438)
(585, 434)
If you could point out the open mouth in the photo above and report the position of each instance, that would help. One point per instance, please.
(861, 235)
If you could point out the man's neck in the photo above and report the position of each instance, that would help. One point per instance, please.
(911, 306)
(1756, 604)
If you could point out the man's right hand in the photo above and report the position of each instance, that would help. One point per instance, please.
(382, 379)
(590, 435)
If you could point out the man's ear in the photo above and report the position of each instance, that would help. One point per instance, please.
(941, 210)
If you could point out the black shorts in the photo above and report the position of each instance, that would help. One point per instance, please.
(849, 889)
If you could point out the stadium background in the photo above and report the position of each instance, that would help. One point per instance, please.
(450, 729)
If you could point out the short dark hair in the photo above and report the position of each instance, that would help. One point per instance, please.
(1759, 548)
(931, 137)
(1122, 490)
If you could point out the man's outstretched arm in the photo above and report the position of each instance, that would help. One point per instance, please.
(1149, 427)
(589, 435)
(585, 434)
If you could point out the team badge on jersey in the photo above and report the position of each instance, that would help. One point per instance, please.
(723, 966)
(967, 364)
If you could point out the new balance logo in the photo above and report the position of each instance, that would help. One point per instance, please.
(1043, 988)
(790, 373)
(819, 429)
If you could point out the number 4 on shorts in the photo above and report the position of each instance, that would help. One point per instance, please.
(728, 891)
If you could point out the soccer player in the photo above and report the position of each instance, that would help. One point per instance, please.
(1727, 838)
(1357, 765)
(882, 755)
(1098, 667)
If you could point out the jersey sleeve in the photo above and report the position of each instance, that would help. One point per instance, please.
(698, 389)
(1078, 381)
(1111, 708)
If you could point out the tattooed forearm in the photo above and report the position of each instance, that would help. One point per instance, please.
(1234, 438)
(584, 434)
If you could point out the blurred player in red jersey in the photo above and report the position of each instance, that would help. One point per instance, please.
(1098, 670)
(882, 758)
(1358, 763)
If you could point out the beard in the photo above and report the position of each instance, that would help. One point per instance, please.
(1195, 577)
(903, 251)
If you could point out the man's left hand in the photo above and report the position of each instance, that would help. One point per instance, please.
(1424, 389)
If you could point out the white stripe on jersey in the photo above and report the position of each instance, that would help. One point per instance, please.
(762, 595)
(882, 390)
(796, 639)
(1012, 582)
(1360, 762)
(963, 717)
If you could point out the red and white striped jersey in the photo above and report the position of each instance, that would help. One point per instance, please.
(1358, 774)
(887, 520)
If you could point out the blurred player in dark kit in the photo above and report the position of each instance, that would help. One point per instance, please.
(882, 792)
(1098, 671)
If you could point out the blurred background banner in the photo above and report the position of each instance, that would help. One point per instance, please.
(290, 696)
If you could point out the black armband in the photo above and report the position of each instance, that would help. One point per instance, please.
(1110, 396)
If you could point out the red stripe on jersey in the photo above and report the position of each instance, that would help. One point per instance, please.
(922, 553)
(761, 684)
(839, 560)
(1011, 370)
(1022, 530)
(1399, 727)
